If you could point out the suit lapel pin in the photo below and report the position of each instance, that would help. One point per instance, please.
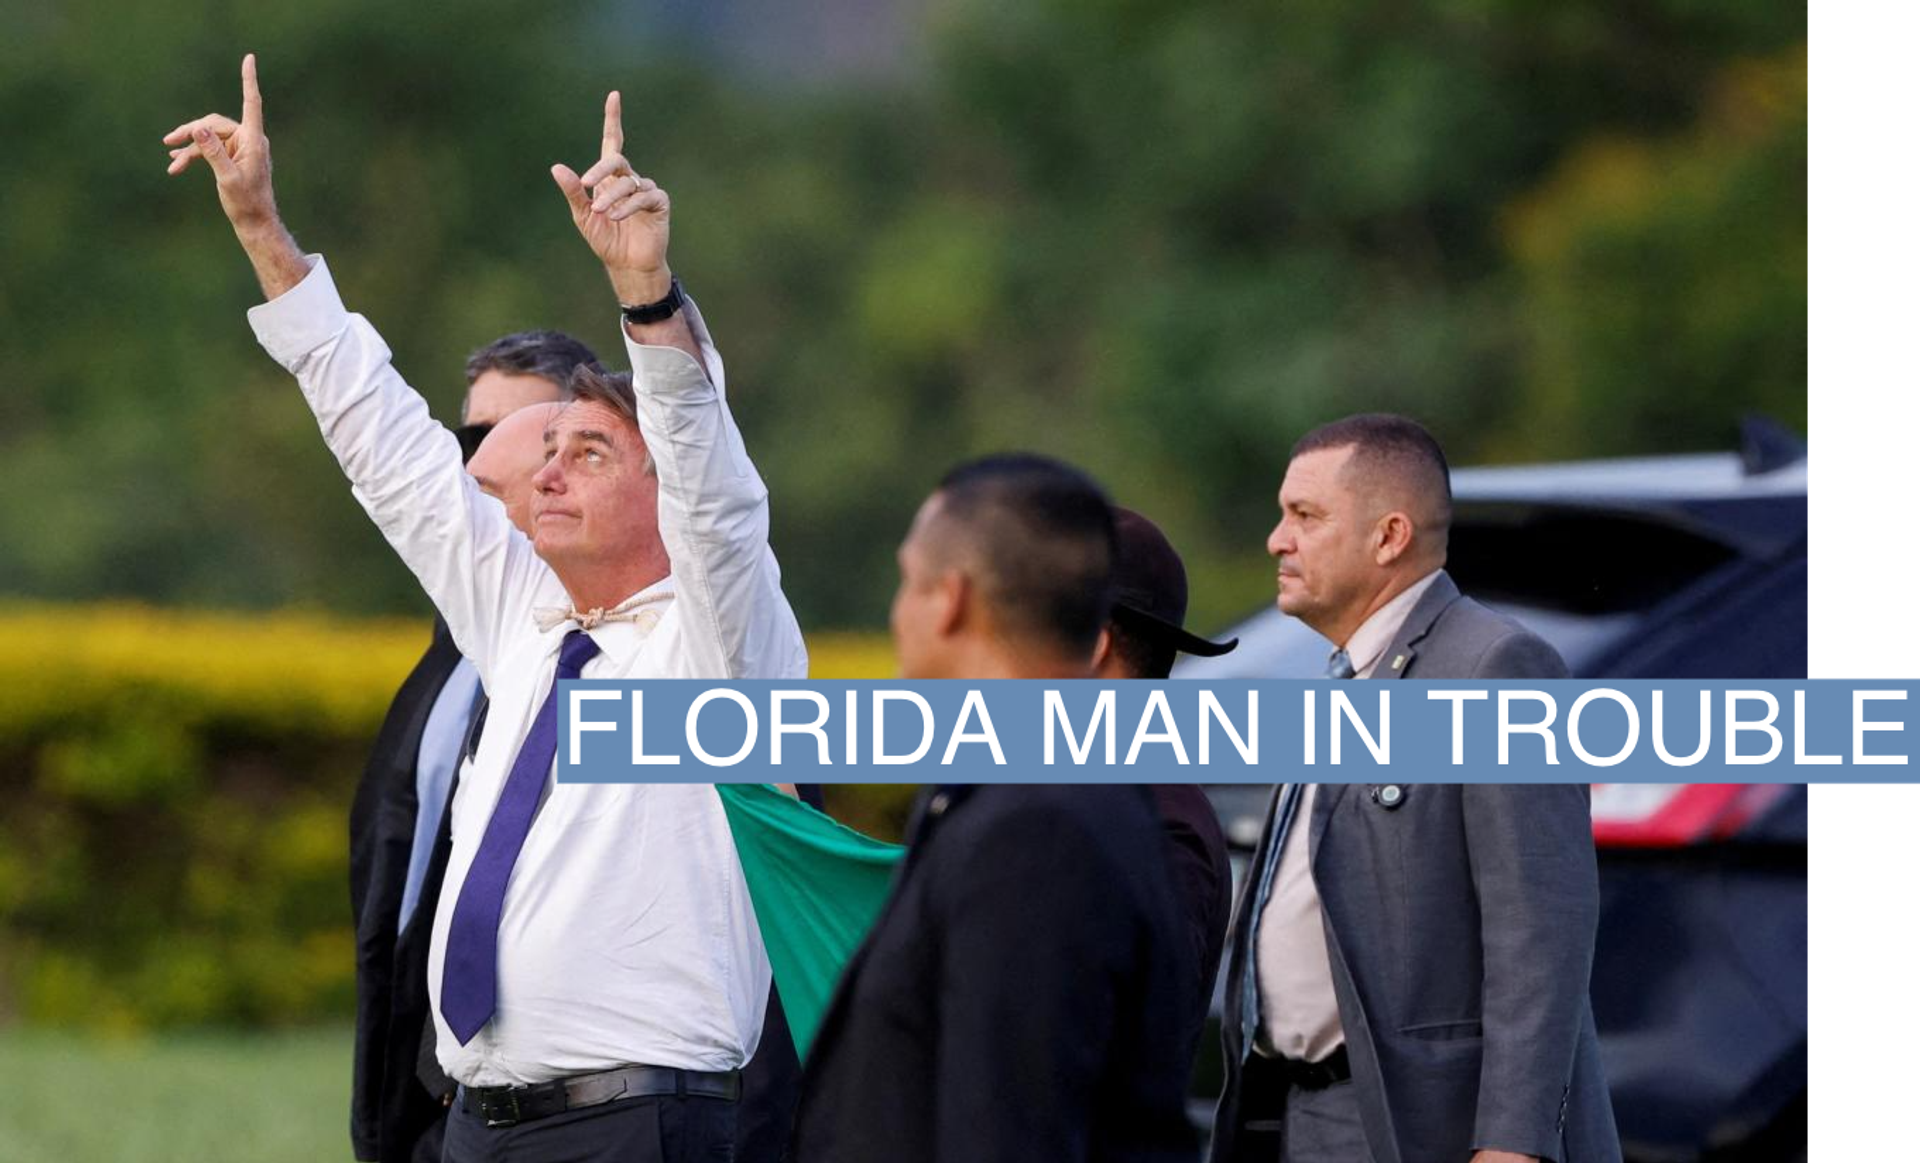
(1399, 660)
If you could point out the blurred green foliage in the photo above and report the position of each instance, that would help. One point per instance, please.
(173, 841)
(1159, 240)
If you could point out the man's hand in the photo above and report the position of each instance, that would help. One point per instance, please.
(622, 215)
(1503, 1157)
(237, 152)
(243, 174)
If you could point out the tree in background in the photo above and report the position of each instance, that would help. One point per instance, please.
(1663, 282)
(1160, 241)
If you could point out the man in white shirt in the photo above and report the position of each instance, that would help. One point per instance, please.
(397, 836)
(1408, 966)
(598, 976)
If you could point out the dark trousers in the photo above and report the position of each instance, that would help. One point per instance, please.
(431, 1145)
(664, 1129)
(769, 1091)
(1323, 1126)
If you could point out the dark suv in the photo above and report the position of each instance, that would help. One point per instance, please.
(1667, 567)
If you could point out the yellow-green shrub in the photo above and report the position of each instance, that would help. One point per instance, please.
(173, 800)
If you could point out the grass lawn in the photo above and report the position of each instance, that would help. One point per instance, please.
(198, 1098)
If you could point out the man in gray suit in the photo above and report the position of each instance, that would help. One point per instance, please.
(1408, 966)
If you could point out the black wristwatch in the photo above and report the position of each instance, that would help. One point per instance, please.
(656, 312)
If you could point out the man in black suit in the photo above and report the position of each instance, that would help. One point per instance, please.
(1141, 640)
(396, 830)
(1021, 996)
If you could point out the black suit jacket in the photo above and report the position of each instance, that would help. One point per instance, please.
(1020, 997)
(1203, 888)
(392, 1108)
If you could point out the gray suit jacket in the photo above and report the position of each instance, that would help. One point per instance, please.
(1460, 924)
(1449, 635)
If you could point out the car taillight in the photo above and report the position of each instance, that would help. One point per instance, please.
(1674, 815)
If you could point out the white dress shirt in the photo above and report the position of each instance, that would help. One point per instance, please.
(627, 936)
(1369, 643)
(1299, 1015)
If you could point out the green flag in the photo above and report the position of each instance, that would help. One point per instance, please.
(817, 887)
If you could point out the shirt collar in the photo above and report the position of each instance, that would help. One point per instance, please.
(620, 637)
(1370, 641)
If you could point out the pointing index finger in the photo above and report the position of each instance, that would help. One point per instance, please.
(612, 139)
(250, 115)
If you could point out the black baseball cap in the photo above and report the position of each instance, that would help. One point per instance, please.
(1152, 587)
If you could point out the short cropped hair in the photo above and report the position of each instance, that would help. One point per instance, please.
(551, 355)
(591, 383)
(1141, 655)
(1393, 446)
(1040, 535)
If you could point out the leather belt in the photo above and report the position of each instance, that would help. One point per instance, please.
(1332, 1069)
(504, 1106)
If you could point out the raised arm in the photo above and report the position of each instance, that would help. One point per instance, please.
(713, 506)
(405, 468)
(625, 219)
(243, 174)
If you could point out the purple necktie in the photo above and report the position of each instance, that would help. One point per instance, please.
(470, 977)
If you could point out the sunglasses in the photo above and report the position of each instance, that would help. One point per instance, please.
(470, 436)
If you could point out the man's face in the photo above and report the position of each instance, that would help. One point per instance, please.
(508, 459)
(495, 395)
(921, 604)
(594, 500)
(1323, 542)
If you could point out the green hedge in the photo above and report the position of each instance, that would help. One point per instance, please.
(173, 828)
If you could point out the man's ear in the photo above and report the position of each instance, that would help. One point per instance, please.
(1102, 648)
(1392, 537)
(953, 593)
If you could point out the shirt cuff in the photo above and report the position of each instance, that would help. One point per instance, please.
(666, 371)
(302, 319)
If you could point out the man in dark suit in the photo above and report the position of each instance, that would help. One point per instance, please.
(1408, 969)
(396, 830)
(1020, 996)
(1141, 640)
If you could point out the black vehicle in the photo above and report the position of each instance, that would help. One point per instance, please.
(1669, 567)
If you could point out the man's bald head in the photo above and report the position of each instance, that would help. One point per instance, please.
(508, 459)
(1396, 465)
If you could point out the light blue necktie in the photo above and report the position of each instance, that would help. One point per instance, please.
(1339, 665)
